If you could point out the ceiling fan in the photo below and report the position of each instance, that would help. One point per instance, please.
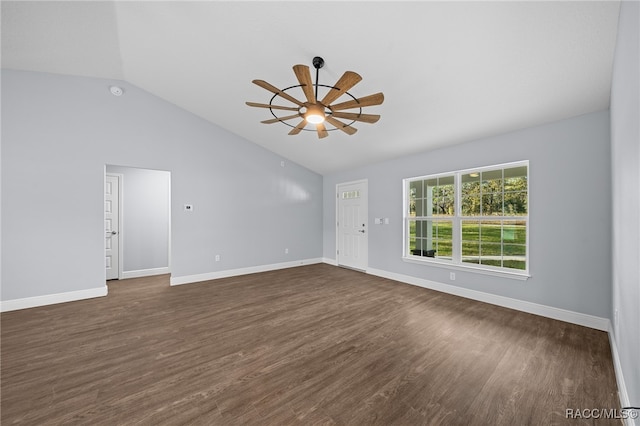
(317, 112)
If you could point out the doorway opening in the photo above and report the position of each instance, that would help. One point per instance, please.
(137, 222)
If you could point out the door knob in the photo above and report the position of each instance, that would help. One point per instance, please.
(362, 230)
(112, 232)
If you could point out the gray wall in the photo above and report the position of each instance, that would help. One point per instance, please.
(145, 221)
(58, 132)
(570, 213)
(625, 153)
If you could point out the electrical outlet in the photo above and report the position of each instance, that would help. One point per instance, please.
(286, 251)
(616, 318)
(452, 276)
(217, 258)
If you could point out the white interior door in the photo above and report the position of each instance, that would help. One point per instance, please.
(112, 226)
(352, 229)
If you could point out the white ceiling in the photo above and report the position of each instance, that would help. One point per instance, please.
(450, 71)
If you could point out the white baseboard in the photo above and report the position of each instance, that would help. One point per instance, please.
(188, 279)
(533, 308)
(328, 261)
(51, 299)
(617, 367)
(145, 273)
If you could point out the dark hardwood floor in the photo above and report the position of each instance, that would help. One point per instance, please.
(310, 345)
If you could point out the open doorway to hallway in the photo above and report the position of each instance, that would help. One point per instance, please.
(137, 222)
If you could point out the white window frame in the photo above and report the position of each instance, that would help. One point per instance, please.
(457, 218)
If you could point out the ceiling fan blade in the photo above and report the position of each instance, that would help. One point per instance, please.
(298, 128)
(254, 104)
(322, 131)
(346, 82)
(342, 126)
(375, 99)
(275, 120)
(277, 91)
(365, 118)
(304, 78)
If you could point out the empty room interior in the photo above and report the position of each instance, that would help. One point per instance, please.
(320, 212)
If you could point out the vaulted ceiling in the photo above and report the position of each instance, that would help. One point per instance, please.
(450, 71)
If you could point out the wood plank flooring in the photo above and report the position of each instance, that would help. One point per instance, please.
(310, 345)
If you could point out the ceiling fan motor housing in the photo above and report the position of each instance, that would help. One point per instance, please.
(318, 62)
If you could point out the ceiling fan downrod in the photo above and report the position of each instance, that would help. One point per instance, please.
(318, 63)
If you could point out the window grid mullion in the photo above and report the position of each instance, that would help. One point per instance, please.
(456, 234)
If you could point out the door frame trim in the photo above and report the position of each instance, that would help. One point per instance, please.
(120, 177)
(337, 215)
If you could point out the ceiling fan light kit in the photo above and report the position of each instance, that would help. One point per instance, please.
(315, 112)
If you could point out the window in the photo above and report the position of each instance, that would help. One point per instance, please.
(470, 218)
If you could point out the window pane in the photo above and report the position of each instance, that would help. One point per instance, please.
(429, 185)
(515, 203)
(470, 183)
(434, 206)
(491, 204)
(439, 196)
(416, 248)
(442, 206)
(470, 230)
(443, 249)
(471, 205)
(515, 256)
(491, 231)
(445, 230)
(433, 229)
(490, 250)
(418, 228)
(492, 181)
(443, 243)
(445, 196)
(492, 262)
(470, 195)
(515, 250)
(446, 181)
(470, 252)
(415, 189)
(515, 179)
(491, 254)
(418, 208)
(520, 263)
(414, 200)
(514, 232)
(436, 239)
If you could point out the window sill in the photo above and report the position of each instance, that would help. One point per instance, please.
(521, 276)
